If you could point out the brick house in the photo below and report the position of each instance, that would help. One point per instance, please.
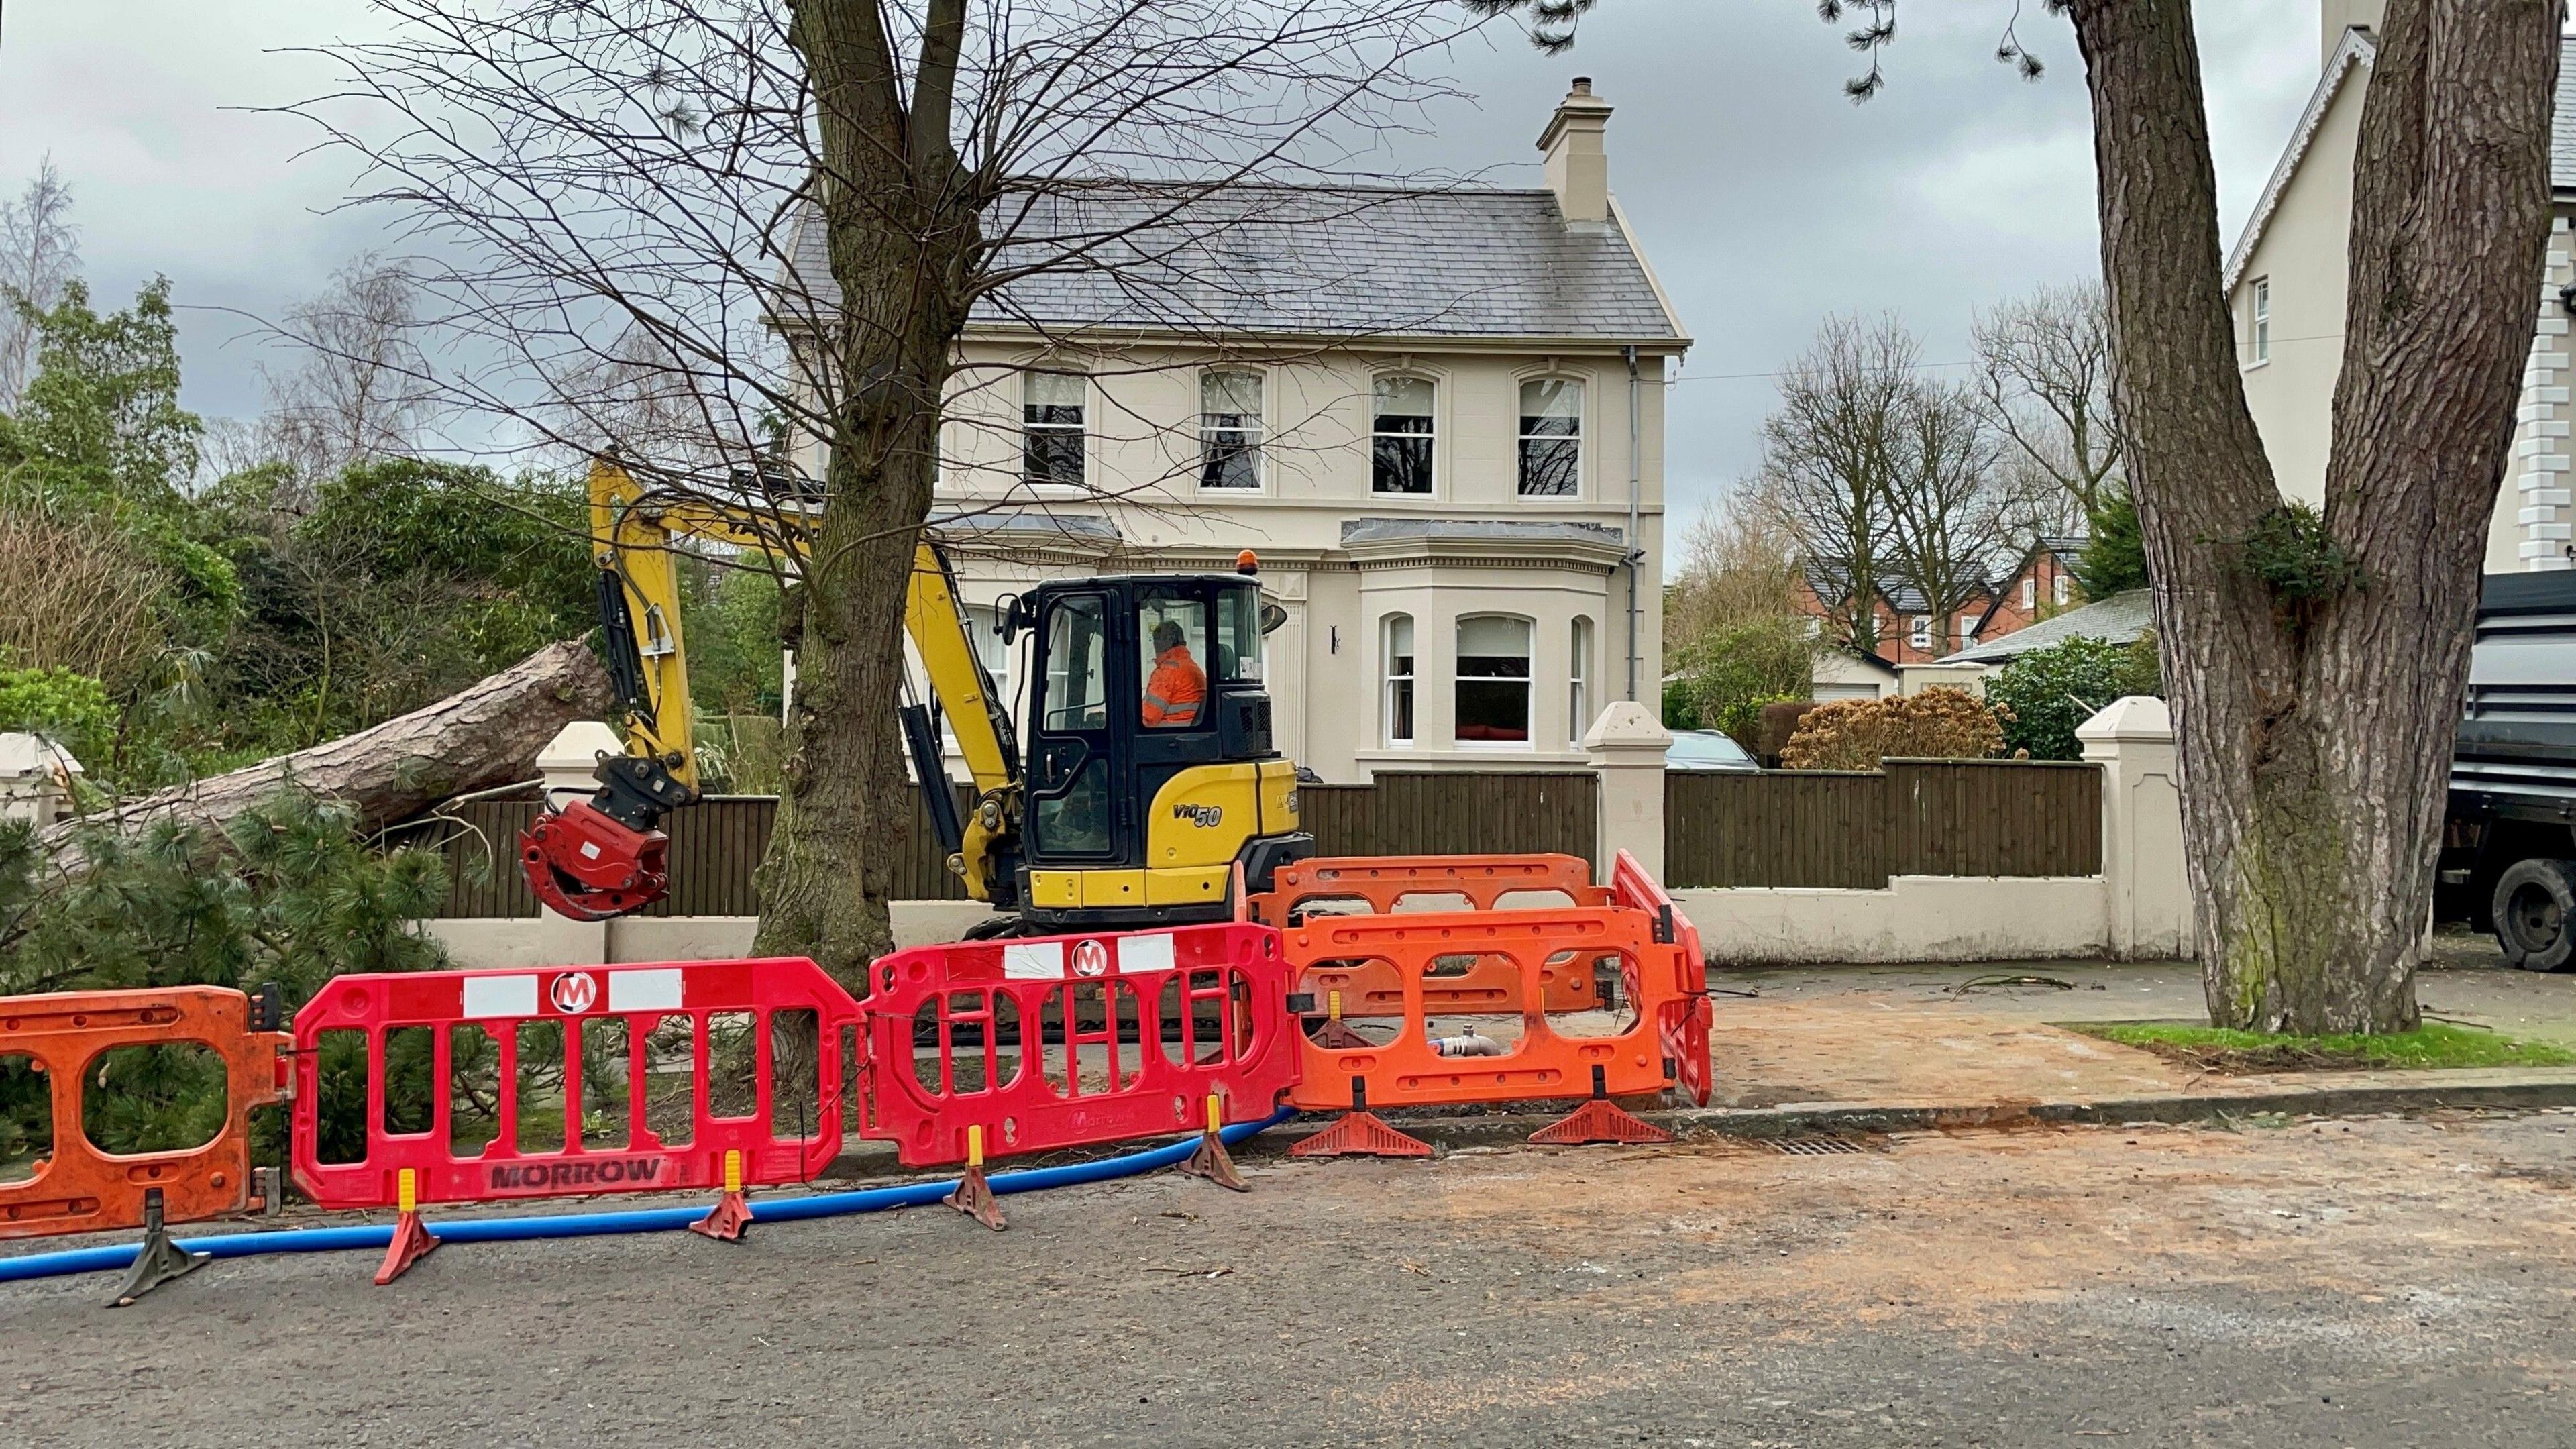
(2042, 583)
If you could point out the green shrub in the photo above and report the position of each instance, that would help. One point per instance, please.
(287, 892)
(2042, 695)
(67, 707)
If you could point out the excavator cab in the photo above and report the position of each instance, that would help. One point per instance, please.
(1150, 771)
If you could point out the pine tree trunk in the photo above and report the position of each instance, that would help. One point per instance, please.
(904, 240)
(2316, 679)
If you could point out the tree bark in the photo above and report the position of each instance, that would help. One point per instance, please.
(904, 239)
(486, 735)
(2316, 674)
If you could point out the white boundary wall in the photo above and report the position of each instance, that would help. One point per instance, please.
(2139, 908)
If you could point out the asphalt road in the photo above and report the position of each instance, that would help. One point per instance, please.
(2380, 1282)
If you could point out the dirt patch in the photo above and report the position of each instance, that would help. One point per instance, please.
(2257, 1061)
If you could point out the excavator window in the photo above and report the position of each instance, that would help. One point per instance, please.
(1171, 633)
(1077, 650)
(1238, 636)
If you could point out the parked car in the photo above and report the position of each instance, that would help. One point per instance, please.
(1706, 750)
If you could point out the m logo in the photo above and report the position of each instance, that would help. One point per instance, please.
(1090, 958)
(575, 992)
(1205, 817)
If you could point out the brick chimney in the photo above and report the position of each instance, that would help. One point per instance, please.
(1577, 170)
(2334, 17)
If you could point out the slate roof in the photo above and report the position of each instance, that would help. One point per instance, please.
(2117, 619)
(1452, 262)
(1901, 596)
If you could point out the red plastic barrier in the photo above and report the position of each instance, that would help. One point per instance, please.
(1683, 1023)
(1070, 1040)
(668, 999)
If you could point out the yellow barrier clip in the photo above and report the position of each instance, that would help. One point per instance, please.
(1211, 1161)
(732, 1213)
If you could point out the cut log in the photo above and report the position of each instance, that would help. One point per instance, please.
(485, 735)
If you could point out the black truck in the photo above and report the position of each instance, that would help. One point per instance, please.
(2509, 838)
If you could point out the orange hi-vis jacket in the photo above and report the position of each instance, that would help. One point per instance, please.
(1177, 690)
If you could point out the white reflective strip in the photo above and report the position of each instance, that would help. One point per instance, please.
(644, 990)
(1145, 953)
(500, 996)
(1039, 960)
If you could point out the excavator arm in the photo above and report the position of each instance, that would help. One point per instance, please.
(606, 856)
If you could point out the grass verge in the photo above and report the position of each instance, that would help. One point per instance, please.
(2434, 1044)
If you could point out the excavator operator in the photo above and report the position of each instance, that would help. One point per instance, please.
(1178, 688)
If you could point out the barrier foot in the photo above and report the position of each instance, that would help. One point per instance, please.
(726, 1220)
(1212, 1163)
(412, 1242)
(1600, 1120)
(974, 1197)
(1360, 1133)
(160, 1259)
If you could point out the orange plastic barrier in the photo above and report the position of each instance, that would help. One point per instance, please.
(81, 1189)
(1413, 1070)
(1684, 1020)
(1383, 885)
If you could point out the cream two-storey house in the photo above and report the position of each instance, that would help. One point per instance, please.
(1435, 416)
(2287, 276)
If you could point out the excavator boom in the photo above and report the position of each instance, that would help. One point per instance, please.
(605, 856)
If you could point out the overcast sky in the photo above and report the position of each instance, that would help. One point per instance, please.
(1764, 198)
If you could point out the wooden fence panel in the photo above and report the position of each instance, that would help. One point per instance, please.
(1453, 813)
(1854, 831)
(716, 845)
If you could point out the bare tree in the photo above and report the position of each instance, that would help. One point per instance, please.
(1828, 454)
(2044, 379)
(1948, 519)
(603, 188)
(2315, 663)
(1738, 565)
(361, 387)
(39, 256)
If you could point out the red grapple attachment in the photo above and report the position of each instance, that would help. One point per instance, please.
(588, 867)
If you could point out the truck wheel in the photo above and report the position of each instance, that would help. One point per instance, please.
(2535, 914)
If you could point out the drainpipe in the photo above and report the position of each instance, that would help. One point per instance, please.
(1636, 553)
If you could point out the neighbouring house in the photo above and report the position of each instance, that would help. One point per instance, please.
(2041, 584)
(1436, 415)
(2119, 619)
(2286, 280)
(1908, 631)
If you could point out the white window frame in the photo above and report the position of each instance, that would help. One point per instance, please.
(1921, 638)
(1256, 434)
(2057, 591)
(1522, 437)
(1081, 430)
(1578, 703)
(1528, 682)
(2029, 593)
(2261, 298)
(1432, 437)
(1388, 679)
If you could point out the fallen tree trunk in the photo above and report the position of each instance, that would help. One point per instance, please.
(485, 735)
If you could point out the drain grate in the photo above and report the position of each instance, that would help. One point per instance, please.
(1813, 1146)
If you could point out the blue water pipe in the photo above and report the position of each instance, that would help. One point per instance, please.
(640, 1220)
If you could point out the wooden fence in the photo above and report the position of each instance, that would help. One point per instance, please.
(717, 843)
(1448, 813)
(715, 846)
(1916, 817)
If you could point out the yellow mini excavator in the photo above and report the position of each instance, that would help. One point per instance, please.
(1147, 778)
